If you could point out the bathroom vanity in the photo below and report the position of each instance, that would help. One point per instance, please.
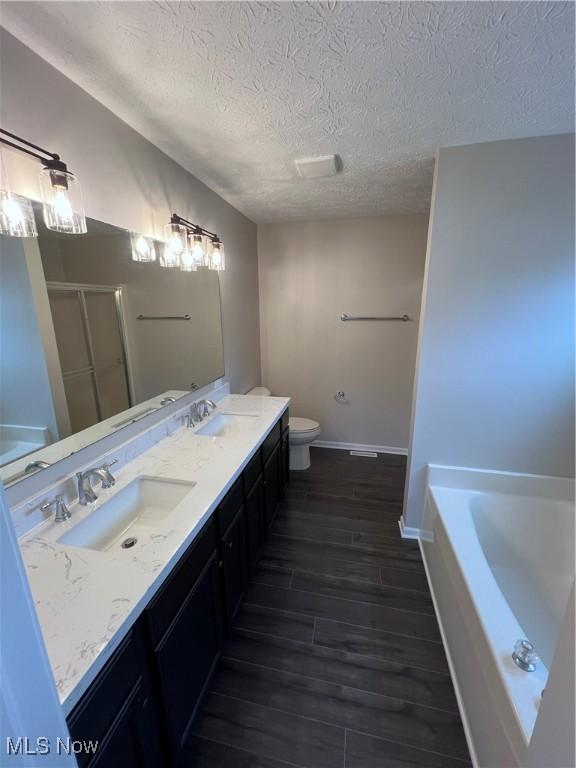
(135, 610)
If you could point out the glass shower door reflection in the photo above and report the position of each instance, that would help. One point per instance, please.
(88, 328)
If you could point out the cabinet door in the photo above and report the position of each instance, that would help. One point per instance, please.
(253, 510)
(271, 487)
(234, 565)
(187, 653)
(118, 712)
(285, 459)
(131, 742)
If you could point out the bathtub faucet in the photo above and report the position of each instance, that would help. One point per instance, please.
(524, 655)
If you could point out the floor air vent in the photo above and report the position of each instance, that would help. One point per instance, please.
(366, 454)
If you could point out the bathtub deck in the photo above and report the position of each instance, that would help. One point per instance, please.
(336, 658)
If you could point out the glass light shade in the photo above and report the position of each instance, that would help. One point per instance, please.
(217, 257)
(143, 248)
(16, 215)
(198, 250)
(175, 237)
(62, 202)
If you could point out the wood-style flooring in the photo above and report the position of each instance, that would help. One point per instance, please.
(336, 660)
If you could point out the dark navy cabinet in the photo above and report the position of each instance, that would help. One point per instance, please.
(142, 704)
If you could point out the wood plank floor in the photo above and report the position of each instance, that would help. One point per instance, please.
(336, 660)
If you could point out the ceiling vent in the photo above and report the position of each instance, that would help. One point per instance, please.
(316, 167)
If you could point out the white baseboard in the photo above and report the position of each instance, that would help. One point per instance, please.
(360, 447)
(407, 532)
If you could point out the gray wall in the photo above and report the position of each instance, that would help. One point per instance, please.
(494, 386)
(312, 272)
(130, 183)
(25, 395)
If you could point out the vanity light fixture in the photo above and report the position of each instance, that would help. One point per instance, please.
(201, 245)
(143, 248)
(60, 189)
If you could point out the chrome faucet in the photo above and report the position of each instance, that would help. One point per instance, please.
(198, 411)
(167, 400)
(189, 419)
(62, 512)
(86, 493)
(35, 465)
(204, 407)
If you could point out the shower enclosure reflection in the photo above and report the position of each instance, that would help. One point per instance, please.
(88, 334)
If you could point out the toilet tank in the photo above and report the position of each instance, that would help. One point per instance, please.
(261, 391)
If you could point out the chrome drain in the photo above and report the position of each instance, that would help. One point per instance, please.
(129, 542)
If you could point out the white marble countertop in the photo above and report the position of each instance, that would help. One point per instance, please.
(87, 600)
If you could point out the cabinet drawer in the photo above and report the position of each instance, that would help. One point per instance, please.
(284, 420)
(99, 707)
(230, 505)
(252, 472)
(270, 442)
(164, 607)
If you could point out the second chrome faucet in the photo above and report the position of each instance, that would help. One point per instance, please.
(199, 411)
(86, 493)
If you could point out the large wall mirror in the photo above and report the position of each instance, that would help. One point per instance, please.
(91, 340)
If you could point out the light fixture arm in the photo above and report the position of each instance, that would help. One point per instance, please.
(195, 229)
(52, 160)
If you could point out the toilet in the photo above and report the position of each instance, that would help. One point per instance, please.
(302, 433)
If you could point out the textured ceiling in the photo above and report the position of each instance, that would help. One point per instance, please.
(235, 91)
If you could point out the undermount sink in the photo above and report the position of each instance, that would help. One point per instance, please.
(227, 424)
(135, 510)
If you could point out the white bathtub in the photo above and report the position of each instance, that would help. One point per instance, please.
(500, 560)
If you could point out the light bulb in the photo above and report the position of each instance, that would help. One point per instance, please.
(63, 207)
(187, 263)
(143, 248)
(62, 199)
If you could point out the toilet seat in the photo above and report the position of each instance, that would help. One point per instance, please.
(300, 426)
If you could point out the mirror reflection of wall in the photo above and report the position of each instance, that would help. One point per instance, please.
(73, 349)
(27, 414)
